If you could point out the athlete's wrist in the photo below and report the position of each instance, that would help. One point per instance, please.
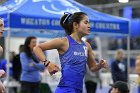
(99, 66)
(46, 62)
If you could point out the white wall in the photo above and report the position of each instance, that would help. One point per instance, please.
(15, 42)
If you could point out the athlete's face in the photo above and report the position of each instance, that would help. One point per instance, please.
(1, 27)
(84, 26)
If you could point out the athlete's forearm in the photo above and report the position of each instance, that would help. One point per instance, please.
(39, 53)
(95, 68)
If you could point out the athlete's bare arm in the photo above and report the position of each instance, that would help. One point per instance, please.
(58, 44)
(93, 66)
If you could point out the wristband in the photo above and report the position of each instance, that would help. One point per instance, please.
(47, 63)
(45, 60)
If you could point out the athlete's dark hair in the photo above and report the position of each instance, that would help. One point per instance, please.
(68, 19)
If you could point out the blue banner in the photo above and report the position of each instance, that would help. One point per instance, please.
(46, 14)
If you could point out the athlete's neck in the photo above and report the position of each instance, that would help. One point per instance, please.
(77, 38)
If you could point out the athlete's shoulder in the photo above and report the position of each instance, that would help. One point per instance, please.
(60, 41)
(87, 44)
(63, 39)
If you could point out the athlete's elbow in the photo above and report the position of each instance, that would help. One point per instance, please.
(93, 69)
(35, 48)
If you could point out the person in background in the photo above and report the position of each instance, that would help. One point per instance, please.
(92, 79)
(119, 87)
(17, 64)
(31, 67)
(74, 53)
(3, 64)
(119, 67)
(109, 91)
(2, 72)
(137, 69)
(17, 67)
(1, 27)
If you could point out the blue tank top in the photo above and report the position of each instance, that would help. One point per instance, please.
(73, 64)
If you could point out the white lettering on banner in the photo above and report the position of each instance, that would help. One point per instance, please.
(110, 26)
(55, 22)
(31, 21)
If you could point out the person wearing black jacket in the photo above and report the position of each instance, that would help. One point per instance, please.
(119, 87)
(17, 64)
(119, 67)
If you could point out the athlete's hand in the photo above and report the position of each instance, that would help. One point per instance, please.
(103, 64)
(2, 74)
(52, 68)
(2, 88)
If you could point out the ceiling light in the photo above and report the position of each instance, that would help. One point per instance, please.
(123, 1)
